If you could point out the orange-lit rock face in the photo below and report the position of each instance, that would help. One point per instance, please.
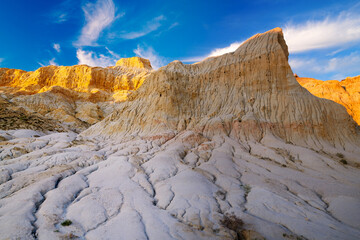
(80, 78)
(136, 62)
(346, 92)
(64, 92)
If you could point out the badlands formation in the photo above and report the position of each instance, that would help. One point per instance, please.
(345, 92)
(78, 96)
(232, 147)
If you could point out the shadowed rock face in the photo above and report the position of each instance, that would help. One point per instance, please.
(346, 92)
(246, 94)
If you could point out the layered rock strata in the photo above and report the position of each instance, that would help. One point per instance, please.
(245, 94)
(76, 95)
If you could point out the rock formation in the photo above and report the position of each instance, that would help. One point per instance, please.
(345, 92)
(77, 95)
(246, 94)
(134, 62)
(229, 148)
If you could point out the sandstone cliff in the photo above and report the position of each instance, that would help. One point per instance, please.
(76, 95)
(246, 94)
(345, 92)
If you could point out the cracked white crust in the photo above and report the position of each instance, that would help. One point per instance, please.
(179, 189)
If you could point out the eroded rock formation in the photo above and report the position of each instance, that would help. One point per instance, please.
(228, 148)
(245, 94)
(77, 95)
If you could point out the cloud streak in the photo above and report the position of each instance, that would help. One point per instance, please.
(338, 31)
(338, 67)
(98, 16)
(50, 62)
(56, 46)
(149, 53)
(90, 58)
(63, 11)
(215, 52)
(326, 33)
(149, 27)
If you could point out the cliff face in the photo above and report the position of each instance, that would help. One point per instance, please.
(76, 95)
(128, 74)
(345, 92)
(229, 148)
(246, 94)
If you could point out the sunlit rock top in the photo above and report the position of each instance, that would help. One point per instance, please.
(137, 62)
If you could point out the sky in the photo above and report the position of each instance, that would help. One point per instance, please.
(323, 36)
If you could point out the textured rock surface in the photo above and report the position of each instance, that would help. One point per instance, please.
(75, 95)
(345, 92)
(246, 94)
(136, 62)
(229, 148)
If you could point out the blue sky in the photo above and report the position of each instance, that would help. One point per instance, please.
(323, 36)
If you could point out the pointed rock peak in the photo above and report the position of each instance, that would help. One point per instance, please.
(265, 42)
(137, 62)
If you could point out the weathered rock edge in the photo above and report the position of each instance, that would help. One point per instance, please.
(245, 94)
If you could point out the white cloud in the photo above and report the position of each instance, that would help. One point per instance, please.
(215, 52)
(115, 55)
(149, 53)
(1, 60)
(92, 59)
(63, 11)
(50, 62)
(329, 32)
(175, 24)
(220, 51)
(62, 17)
(335, 67)
(98, 16)
(56, 46)
(149, 27)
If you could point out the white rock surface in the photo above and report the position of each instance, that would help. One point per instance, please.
(136, 189)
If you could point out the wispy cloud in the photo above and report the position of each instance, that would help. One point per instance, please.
(220, 51)
(1, 60)
(329, 32)
(98, 16)
(149, 53)
(175, 24)
(50, 62)
(63, 11)
(92, 59)
(337, 67)
(61, 17)
(56, 46)
(215, 52)
(149, 27)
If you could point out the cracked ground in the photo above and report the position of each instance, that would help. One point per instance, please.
(178, 188)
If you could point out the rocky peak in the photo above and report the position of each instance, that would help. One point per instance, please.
(136, 62)
(247, 94)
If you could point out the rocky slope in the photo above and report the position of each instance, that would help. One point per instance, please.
(77, 95)
(245, 94)
(345, 92)
(228, 148)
